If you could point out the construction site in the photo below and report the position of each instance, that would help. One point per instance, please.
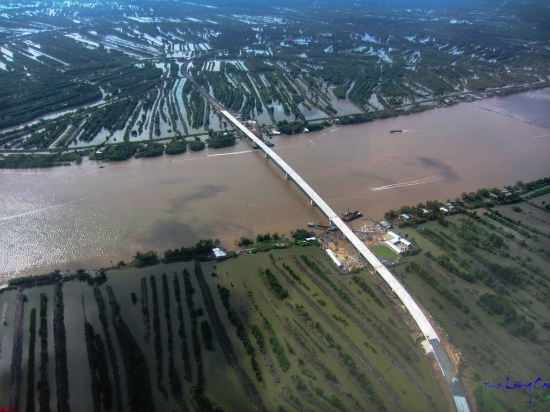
(374, 234)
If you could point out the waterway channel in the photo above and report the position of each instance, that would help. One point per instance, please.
(91, 214)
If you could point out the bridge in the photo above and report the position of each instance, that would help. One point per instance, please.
(433, 342)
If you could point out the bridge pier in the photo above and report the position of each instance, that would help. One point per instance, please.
(265, 155)
(311, 202)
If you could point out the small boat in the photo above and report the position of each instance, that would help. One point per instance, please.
(396, 131)
(270, 144)
(349, 216)
(255, 146)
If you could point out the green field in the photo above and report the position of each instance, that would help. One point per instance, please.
(284, 331)
(484, 277)
(293, 74)
(384, 252)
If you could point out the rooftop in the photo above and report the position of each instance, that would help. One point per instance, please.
(218, 253)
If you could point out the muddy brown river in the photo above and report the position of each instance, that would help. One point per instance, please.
(93, 214)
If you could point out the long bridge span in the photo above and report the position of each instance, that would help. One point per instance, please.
(409, 303)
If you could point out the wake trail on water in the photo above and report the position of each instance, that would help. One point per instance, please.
(232, 153)
(28, 213)
(60, 204)
(542, 135)
(405, 184)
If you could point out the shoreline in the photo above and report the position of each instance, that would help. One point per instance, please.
(162, 167)
(287, 242)
(487, 94)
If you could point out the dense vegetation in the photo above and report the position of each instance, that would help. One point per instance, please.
(118, 152)
(221, 139)
(196, 145)
(99, 369)
(137, 373)
(142, 259)
(60, 339)
(235, 320)
(430, 280)
(173, 377)
(176, 147)
(366, 288)
(158, 338)
(285, 355)
(487, 252)
(181, 332)
(43, 385)
(277, 347)
(27, 161)
(150, 150)
(30, 366)
(102, 314)
(207, 336)
(199, 400)
(202, 249)
(102, 86)
(275, 286)
(507, 316)
(35, 279)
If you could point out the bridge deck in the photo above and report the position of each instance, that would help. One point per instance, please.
(409, 303)
(399, 290)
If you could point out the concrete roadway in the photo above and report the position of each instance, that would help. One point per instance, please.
(412, 307)
(409, 303)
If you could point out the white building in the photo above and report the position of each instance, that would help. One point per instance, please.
(219, 254)
(385, 224)
(334, 258)
(397, 243)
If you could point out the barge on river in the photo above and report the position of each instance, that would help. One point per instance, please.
(349, 216)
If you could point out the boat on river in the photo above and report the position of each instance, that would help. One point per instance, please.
(349, 216)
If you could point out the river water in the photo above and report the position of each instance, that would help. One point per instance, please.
(91, 214)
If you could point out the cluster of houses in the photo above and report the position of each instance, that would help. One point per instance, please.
(394, 241)
(445, 208)
(505, 193)
(397, 243)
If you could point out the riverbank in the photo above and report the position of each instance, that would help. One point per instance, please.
(90, 215)
(449, 100)
(264, 332)
(495, 240)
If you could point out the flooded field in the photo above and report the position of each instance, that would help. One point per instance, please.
(93, 214)
(465, 280)
(286, 331)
